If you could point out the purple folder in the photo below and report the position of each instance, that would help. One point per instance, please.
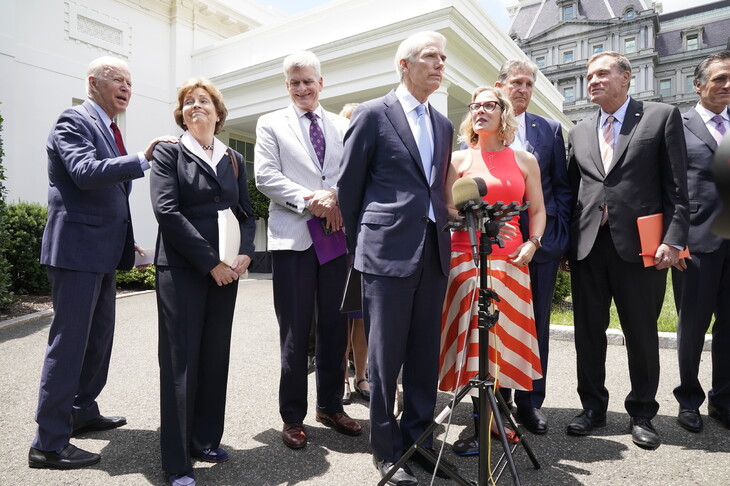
(327, 244)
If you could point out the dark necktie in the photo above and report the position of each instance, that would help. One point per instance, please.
(316, 136)
(118, 138)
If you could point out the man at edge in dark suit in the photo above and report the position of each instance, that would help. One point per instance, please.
(703, 288)
(88, 235)
(391, 192)
(626, 160)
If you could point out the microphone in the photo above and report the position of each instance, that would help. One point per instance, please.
(466, 193)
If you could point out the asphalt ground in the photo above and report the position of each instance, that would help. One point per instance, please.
(130, 455)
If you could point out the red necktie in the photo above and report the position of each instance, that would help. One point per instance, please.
(118, 138)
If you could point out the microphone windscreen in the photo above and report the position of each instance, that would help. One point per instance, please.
(481, 185)
(465, 190)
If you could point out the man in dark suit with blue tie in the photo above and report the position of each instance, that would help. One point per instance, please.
(544, 139)
(702, 289)
(88, 235)
(391, 192)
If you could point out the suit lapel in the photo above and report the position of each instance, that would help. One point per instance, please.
(694, 123)
(532, 133)
(296, 127)
(330, 136)
(634, 112)
(592, 128)
(105, 131)
(397, 117)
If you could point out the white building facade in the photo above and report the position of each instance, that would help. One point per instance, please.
(46, 45)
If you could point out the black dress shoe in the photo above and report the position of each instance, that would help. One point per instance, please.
(643, 433)
(99, 423)
(532, 419)
(585, 422)
(690, 419)
(721, 414)
(68, 457)
(428, 466)
(402, 477)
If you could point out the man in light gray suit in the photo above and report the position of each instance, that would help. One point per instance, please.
(297, 165)
(702, 290)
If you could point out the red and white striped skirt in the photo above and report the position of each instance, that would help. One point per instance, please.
(514, 357)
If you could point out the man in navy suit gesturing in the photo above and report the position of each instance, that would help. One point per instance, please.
(88, 235)
(391, 192)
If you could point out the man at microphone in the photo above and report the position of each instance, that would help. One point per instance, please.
(391, 192)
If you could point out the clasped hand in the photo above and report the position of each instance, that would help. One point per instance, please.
(323, 204)
(223, 274)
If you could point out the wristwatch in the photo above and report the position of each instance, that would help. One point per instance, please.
(536, 241)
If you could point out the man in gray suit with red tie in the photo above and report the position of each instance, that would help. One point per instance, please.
(297, 165)
(88, 235)
(391, 191)
(626, 160)
(703, 288)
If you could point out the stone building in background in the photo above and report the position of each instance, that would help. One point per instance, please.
(560, 36)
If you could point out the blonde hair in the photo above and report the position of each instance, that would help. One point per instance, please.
(348, 110)
(508, 125)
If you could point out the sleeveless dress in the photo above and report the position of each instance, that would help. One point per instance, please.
(514, 358)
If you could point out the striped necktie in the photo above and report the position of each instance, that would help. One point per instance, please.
(607, 141)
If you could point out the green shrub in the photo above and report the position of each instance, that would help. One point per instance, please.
(6, 294)
(259, 201)
(136, 279)
(24, 223)
(562, 287)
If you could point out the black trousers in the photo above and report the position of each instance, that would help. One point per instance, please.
(195, 318)
(638, 293)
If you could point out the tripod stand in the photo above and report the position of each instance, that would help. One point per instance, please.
(494, 217)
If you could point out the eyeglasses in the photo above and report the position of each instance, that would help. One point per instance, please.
(488, 106)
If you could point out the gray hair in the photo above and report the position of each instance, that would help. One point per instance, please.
(703, 68)
(409, 48)
(513, 66)
(299, 60)
(623, 64)
(99, 67)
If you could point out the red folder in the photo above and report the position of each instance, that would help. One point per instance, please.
(651, 229)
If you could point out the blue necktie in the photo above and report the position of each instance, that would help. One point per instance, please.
(425, 149)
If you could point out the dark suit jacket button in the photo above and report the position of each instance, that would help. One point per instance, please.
(600, 208)
(323, 178)
(424, 219)
(216, 199)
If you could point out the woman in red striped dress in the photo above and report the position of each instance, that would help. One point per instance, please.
(514, 359)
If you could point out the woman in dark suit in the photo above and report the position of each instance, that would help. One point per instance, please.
(196, 292)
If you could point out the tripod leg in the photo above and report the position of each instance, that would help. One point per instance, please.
(502, 436)
(518, 430)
